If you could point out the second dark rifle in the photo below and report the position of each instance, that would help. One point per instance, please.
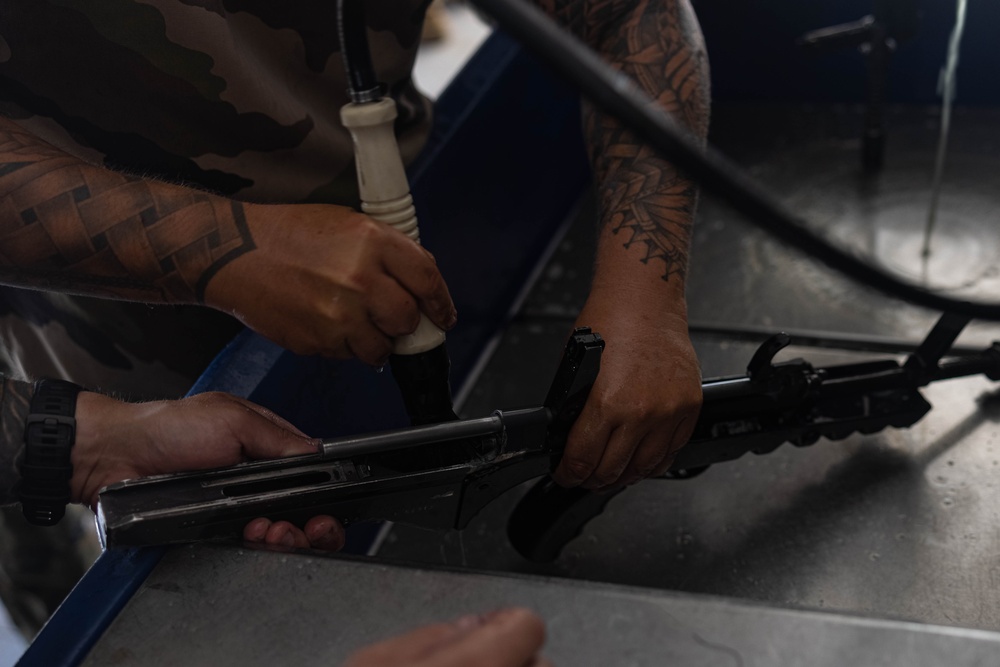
(788, 402)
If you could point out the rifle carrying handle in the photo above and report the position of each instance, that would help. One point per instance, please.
(385, 192)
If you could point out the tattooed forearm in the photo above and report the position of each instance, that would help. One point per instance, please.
(69, 225)
(15, 399)
(645, 202)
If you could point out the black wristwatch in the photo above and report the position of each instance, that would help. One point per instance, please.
(49, 433)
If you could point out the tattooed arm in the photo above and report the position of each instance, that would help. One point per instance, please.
(646, 400)
(316, 279)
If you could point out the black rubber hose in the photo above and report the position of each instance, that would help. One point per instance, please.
(615, 94)
(354, 48)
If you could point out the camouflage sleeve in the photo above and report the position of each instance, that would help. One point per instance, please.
(70, 226)
(15, 402)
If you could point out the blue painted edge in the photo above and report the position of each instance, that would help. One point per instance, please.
(485, 66)
(240, 367)
(91, 607)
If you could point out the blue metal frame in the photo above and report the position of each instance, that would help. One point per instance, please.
(91, 607)
(503, 168)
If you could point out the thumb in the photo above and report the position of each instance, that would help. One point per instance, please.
(264, 435)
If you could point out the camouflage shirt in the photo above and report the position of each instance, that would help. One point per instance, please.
(241, 97)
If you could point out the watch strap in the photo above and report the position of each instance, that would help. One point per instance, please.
(49, 433)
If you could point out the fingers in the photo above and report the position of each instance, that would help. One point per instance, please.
(684, 431)
(584, 447)
(653, 452)
(617, 456)
(409, 648)
(505, 638)
(410, 285)
(264, 435)
(394, 310)
(256, 530)
(275, 533)
(267, 414)
(417, 273)
(285, 534)
(321, 532)
(602, 452)
(336, 283)
(325, 533)
(370, 345)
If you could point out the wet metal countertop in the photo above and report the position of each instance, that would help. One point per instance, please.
(222, 605)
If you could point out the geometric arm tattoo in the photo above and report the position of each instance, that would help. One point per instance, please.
(15, 398)
(645, 202)
(66, 225)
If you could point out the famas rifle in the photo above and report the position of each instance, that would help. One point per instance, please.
(442, 475)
